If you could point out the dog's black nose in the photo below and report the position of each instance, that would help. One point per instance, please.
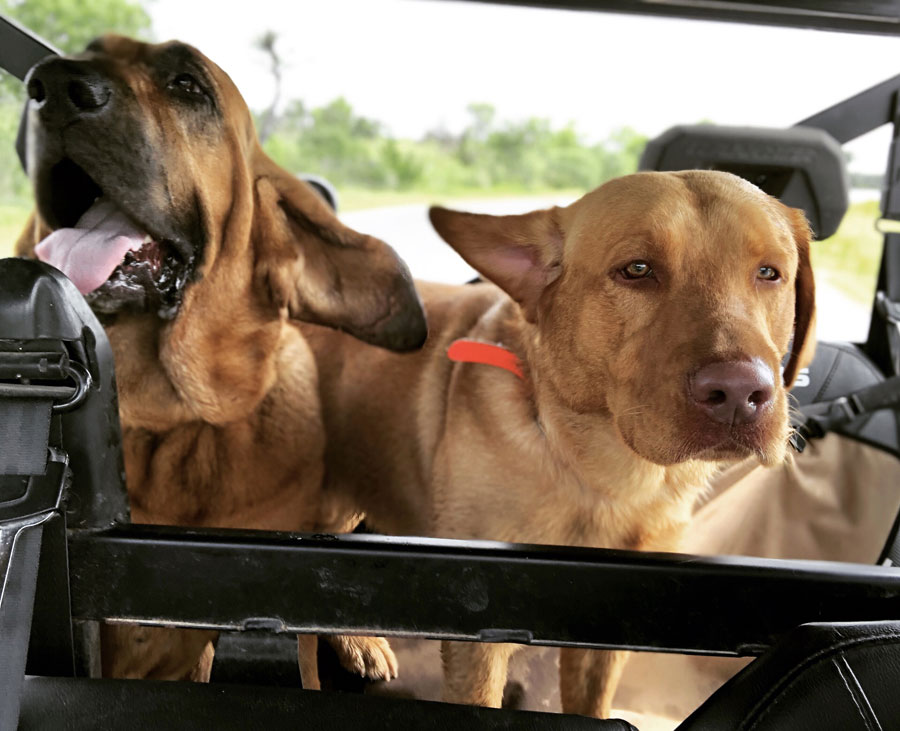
(65, 89)
(733, 392)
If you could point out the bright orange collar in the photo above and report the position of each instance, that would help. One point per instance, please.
(474, 351)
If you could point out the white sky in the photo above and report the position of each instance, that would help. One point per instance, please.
(415, 64)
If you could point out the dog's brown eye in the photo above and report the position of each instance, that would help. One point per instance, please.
(769, 274)
(187, 84)
(637, 270)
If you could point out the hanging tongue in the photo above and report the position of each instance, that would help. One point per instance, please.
(88, 253)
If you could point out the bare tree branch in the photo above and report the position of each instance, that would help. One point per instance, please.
(266, 44)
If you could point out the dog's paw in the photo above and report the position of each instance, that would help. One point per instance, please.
(371, 657)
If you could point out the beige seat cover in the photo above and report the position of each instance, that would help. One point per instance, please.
(837, 501)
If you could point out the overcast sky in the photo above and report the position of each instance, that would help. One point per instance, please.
(416, 64)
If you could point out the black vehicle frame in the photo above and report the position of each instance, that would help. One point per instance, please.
(69, 558)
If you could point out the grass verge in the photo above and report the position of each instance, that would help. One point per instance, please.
(849, 260)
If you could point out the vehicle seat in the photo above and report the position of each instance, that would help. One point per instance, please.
(820, 676)
(837, 370)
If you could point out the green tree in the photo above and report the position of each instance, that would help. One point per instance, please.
(266, 43)
(334, 141)
(624, 148)
(405, 166)
(473, 139)
(69, 25)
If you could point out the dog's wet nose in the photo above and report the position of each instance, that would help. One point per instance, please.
(733, 392)
(65, 89)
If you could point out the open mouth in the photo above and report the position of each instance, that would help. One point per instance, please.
(113, 259)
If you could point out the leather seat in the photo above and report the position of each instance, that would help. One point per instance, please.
(819, 677)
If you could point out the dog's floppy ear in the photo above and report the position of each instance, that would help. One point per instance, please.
(35, 230)
(520, 254)
(322, 272)
(804, 343)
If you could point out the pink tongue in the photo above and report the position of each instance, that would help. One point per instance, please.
(88, 253)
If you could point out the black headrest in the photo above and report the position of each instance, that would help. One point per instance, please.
(322, 187)
(802, 166)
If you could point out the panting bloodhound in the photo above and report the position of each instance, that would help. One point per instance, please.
(201, 255)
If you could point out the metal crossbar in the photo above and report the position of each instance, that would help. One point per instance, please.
(464, 590)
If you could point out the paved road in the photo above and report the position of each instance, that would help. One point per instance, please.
(408, 230)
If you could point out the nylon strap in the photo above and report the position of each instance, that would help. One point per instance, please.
(24, 446)
(879, 396)
(815, 420)
(24, 435)
(16, 610)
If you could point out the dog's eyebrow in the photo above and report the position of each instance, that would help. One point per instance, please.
(641, 241)
(178, 55)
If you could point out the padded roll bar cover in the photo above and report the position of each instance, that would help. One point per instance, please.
(38, 302)
(802, 166)
(323, 187)
(29, 295)
(820, 676)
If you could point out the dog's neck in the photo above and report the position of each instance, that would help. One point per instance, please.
(160, 387)
(587, 450)
(588, 444)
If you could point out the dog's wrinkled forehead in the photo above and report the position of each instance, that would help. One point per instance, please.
(695, 213)
(163, 73)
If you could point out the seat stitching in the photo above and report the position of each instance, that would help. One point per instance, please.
(749, 722)
(851, 683)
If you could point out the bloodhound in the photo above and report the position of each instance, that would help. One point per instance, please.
(201, 256)
(641, 332)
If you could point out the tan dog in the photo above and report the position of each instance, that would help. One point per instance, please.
(200, 256)
(649, 320)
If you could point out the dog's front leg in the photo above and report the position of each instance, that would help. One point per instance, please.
(588, 680)
(308, 661)
(158, 653)
(370, 657)
(475, 672)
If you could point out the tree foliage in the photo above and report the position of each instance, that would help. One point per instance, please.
(334, 140)
(527, 155)
(69, 25)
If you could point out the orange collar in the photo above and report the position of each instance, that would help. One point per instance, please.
(474, 351)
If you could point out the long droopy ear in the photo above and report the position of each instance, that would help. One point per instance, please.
(35, 230)
(520, 254)
(325, 273)
(804, 343)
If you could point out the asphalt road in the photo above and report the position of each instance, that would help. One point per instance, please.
(408, 230)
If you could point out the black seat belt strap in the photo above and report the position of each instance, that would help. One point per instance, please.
(33, 479)
(815, 420)
(24, 435)
(22, 544)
